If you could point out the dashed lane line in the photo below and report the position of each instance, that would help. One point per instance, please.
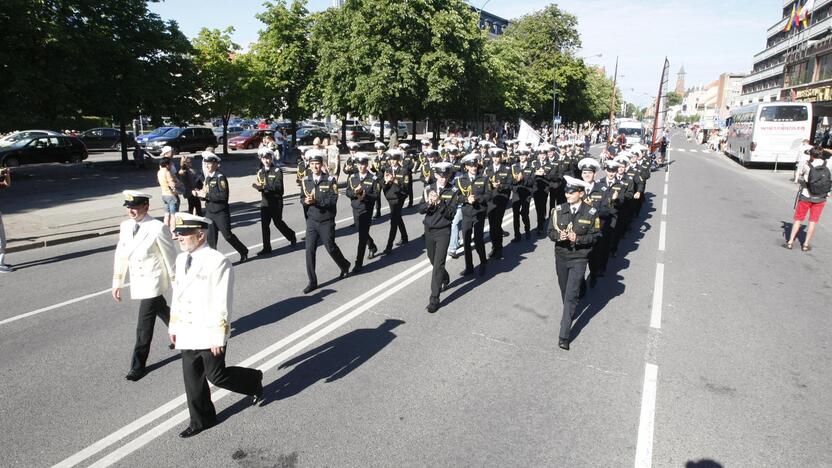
(644, 445)
(662, 230)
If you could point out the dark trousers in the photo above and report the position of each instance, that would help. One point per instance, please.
(601, 250)
(396, 222)
(495, 225)
(274, 214)
(194, 205)
(409, 189)
(540, 200)
(557, 196)
(222, 224)
(473, 228)
(436, 244)
(149, 309)
(199, 367)
(363, 220)
(520, 210)
(378, 206)
(325, 231)
(570, 273)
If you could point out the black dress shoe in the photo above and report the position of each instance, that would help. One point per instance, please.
(345, 272)
(516, 239)
(432, 307)
(402, 242)
(467, 272)
(482, 269)
(264, 252)
(309, 288)
(372, 254)
(454, 255)
(135, 375)
(356, 269)
(171, 346)
(387, 251)
(257, 398)
(192, 431)
(244, 257)
(444, 286)
(528, 235)
(293, 242)
(563, 343)
(498, 255)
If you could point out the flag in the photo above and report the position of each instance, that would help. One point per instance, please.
(791, 20)
(528, 134)
(806, 10)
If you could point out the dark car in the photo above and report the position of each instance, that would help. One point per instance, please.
(44, 149)
(105, 139)
(142, 139)
(183, 140)
(307, 135)
(248, 139)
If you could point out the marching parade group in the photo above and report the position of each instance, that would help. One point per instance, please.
(585, 206)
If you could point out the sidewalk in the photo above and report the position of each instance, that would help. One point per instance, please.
(56, 204)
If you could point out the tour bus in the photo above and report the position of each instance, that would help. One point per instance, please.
(768, 132)
(632, 129)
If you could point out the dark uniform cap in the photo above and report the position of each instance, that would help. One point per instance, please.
(133, 198)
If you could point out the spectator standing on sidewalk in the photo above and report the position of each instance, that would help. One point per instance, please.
(5, 182)
(191, 180)
(280, 141)
(170, 198)
(802, 158)
(815, 182)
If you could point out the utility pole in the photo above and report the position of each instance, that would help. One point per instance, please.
(612, 103)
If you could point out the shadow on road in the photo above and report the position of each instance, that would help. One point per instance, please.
(277, 311)
(703, 463)
(61, 258)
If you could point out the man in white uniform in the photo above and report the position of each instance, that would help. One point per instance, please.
(199, 324)
(145, 249)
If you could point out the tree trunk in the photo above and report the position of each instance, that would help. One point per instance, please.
(123, 128)
(224, 136)
(435, 132)
(344, 132)
(294, 130)
(381, 129)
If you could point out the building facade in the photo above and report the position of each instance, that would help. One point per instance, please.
(765, 81)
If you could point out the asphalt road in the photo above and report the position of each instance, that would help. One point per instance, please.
(358, 374)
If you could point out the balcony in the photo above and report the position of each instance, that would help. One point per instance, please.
(762, 75)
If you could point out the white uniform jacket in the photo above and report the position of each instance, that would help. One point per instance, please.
(201, 300)
(148, 256)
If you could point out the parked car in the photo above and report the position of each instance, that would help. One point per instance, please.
(183, 140)
(307, 135)
(357, 133)
(43, 149)
(402, 130)
(105, 139)
(141, 139)
(248, 139)
(13, 138)
(231, 132)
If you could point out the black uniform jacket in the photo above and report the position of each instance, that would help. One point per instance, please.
(585, 224)
(326, 197)
(369, 186)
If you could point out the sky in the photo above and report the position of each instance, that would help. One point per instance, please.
(707, 37)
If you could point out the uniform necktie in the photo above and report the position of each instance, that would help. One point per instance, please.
(188, 263)
(574, 210)
(136, 229)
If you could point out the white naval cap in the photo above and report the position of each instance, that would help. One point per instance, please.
(314, 154)
(362, 158)
(380, 145)
(395, 153)
(265, 152)
(611, 164)
(622, 159)
(208, 156)
(496, 151)
(167, 149)
(135, 198)
(589, 164)
(187, 222)
(471, 158)
(442, 167)
(404, 146)
(574, 185)
(352, 145)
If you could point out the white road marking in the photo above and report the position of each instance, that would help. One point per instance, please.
(664, 206)
(370, 298)
(662, 229)
(106, 291)
(644, 445)
(693, 151)
(681, 149)
(665, 188)
(658, 285)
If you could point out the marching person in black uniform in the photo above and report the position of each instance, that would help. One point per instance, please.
(363, 189)
(642, 166)
(544, 173)
(351, 162)
(599, 195)
(438, 204)
(407, 165)
(269, 182)
(523, 182)
(395, 191)
(200, 314)
(320, 196)
(474, 191)
(500, 177)
(625, 187)
(432, 157)
(215, 193)
(378, 167)
(574, 228)
(563, 167)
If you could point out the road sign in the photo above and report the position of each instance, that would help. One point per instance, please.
(556, 120)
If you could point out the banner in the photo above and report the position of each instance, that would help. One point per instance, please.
(528, 134)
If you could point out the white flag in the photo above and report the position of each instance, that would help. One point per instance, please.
(527, 134)
(806, 10)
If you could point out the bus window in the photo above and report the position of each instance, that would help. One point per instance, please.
(784, 114)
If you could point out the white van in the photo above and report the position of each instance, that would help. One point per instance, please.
(632, 129)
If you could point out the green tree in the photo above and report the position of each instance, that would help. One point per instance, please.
(286, 61)
(226, 79)
(673, 99)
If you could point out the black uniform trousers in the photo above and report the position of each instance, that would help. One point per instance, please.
(570, 271)
(495, 224)
(409, 189)
(520, 210)
(194, 205)
(436, 244)
(363, 219)
(378, 206)
(274, 214)
(557, 196)
(222, 224)
(601, 250)
(540, 199)
(325, 231)
(473, 228)
(200, 366)
(149, 309)
(396, 222)
(621, 223)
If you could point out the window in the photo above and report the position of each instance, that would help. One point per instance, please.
(110, 132)
(784, 114)
(825, 67)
